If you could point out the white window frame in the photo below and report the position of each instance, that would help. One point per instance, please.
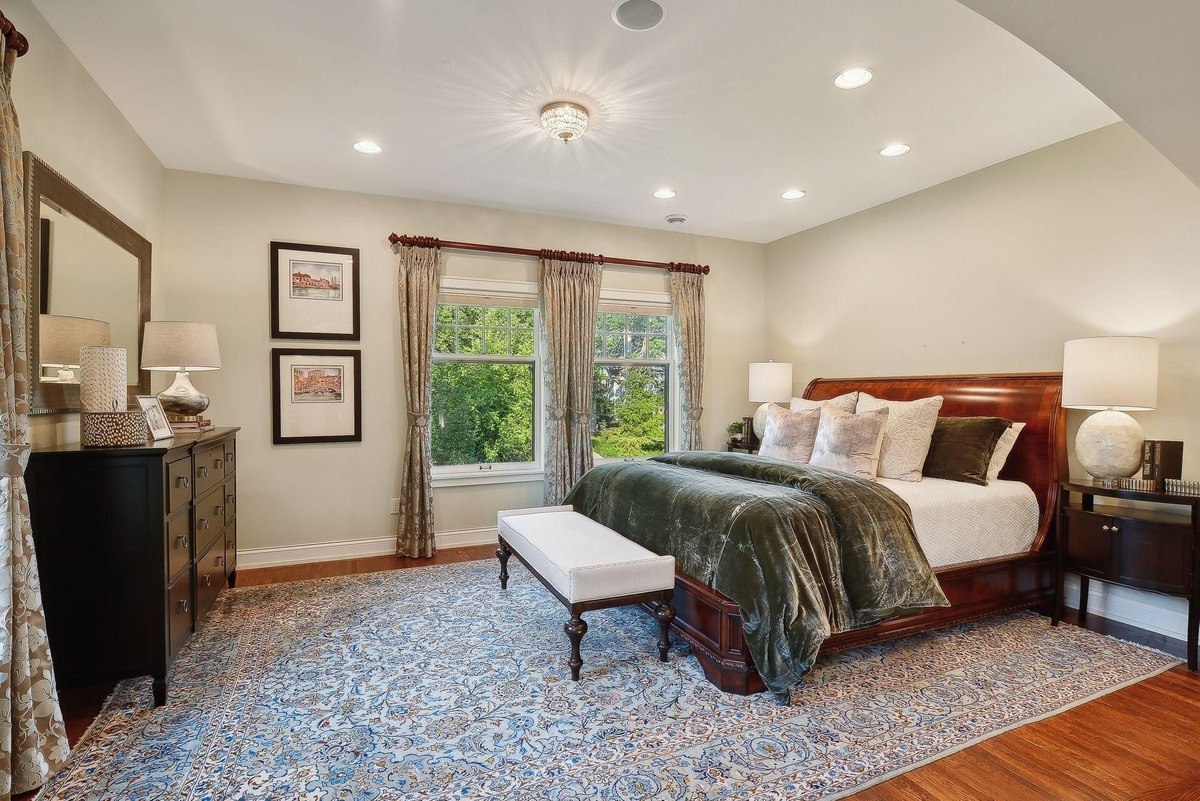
(475, 291)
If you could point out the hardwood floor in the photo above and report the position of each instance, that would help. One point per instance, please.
(1141, 743)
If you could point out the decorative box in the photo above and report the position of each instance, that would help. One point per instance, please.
(113, 429)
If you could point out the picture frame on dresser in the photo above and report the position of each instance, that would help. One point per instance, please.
(314, 292)
(316, 395)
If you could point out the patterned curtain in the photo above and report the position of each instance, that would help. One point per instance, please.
(687, 309)
(33, 740)
(418, 287)
(569, 285)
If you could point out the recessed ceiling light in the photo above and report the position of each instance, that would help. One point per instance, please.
(565, 121)
(370, 148)
(793, 194)
(891, 151)
(853, 78)
(638, 15)
(664, 193)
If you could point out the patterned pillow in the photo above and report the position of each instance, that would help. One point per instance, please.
(849, 442)
(790, 435)
(907, 435)
(845, 402)
(1003, 448)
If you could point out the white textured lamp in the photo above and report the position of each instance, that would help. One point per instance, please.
(60, 339)
(183, 347)
(769, 381)
(1112, 375)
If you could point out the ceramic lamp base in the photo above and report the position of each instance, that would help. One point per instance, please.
(1109, 446)
(182, 399)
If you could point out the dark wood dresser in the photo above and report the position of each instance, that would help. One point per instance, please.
(133, 546)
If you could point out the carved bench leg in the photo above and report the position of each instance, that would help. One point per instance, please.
(502, 553)
(664, 614)
(575, 629)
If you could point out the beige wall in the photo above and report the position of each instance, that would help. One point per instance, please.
(993, 271)
(68, 121)
(214, 269)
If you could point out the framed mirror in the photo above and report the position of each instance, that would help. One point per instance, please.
(89, 284)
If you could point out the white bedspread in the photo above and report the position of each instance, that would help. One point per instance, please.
(958, 522)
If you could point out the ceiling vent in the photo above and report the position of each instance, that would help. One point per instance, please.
(676, 219)
(638, 15)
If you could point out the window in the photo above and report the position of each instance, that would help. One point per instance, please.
(631, 391)
(485, 382)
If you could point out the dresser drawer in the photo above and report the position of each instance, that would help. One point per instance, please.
(230, 501)
(209, 520)
(210, 578)
(1089, 543)
(209, 468)
(179, 483)
(1155, 557)
(231, 547)
(230, 456)
(179, 544)
(179, 611)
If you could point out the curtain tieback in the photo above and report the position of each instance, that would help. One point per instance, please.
(418, 420)
(580, 416)
(557, 414)
(692, 413)
(16, 459)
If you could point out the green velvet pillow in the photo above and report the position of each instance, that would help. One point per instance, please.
(962, 448)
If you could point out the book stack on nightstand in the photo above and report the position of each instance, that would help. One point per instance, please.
(1155, 549)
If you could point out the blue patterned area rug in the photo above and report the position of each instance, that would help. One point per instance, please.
(432, 684)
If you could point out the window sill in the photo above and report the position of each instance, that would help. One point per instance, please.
(480, 477)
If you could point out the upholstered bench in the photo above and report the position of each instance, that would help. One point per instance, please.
(586, 566)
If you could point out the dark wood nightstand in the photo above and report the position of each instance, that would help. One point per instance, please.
(1147, 549)
(740, 447)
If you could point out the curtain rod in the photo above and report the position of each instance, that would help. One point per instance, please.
(432, 242)
(12, 37)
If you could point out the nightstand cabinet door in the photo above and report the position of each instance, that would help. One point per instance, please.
(1089, 543)
(1155, 557)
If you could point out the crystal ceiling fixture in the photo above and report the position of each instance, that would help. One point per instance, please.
(564, 120)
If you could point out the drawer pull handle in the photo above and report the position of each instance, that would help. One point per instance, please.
(230, 457)
(202, 522)
(183, 481)
(1105, 528)
(219, 464)
(182, 605)
(219, 561)
(218, 510)
(1115, 529)
(206, 580)
(229, 499)
(203, 471)
(181, 540)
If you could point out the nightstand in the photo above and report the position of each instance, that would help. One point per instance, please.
(739, 447)
(1148, 549)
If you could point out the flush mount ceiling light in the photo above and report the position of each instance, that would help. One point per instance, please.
(853, 78)
(638, 15)
(369, 148)
(564, 121)
(664, 193)
(793, 194)
(891, 151)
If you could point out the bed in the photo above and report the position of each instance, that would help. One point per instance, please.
(988, 545)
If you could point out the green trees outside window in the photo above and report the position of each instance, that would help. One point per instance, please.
(629, 393)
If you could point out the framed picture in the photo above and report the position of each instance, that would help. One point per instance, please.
(314, 292)
(156, 420)
(317, 395)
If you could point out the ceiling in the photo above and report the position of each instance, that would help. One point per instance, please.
(729, 102)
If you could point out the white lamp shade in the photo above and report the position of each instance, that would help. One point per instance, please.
(770, 381)
(1111, 373)
(60, 338)
(170, 345)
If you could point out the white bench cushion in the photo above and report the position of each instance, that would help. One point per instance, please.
(580, 558)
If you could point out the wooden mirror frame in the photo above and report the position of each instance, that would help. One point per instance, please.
(41, 180)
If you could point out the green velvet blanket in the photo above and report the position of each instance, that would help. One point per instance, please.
(804, 551)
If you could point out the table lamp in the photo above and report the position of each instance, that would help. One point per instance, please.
(185, 348)
(59, 340)
(1112, 375)
(769, 381)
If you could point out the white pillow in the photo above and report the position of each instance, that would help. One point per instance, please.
(849, 442)
(790, 435)
(907, 436)
(845, 402)
(1003, 448)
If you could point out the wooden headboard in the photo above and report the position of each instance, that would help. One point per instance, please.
(1040, 455)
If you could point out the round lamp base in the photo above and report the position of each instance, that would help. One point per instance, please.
(1109, 445)
(183, 399)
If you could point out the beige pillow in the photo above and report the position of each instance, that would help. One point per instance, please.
(845, 402)
(849, 442)
(790, 435)
(907, 435)
(1003, 448)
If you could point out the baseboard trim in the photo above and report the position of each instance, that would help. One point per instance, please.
(279, 556)
(1158, 613)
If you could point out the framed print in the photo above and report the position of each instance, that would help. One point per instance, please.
(317, 395)
(156, 419)
(314, 292)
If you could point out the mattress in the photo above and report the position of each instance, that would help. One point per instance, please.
(959, 522)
